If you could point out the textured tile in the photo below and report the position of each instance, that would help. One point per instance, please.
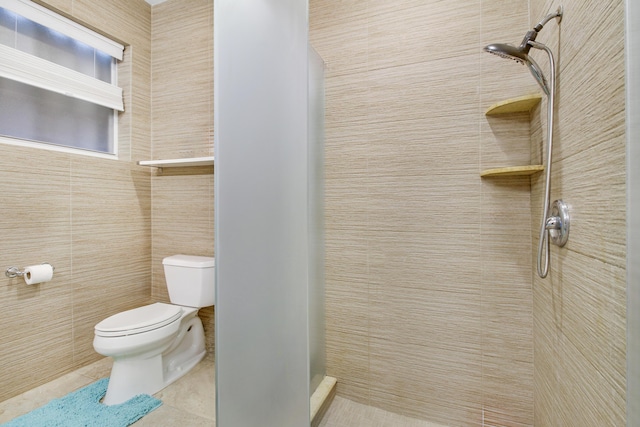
(412, 32)
(188, 401)
(167, 416)
(440, 320)
(410, 91)
(579, 309)
(195, 392)
(348, 359)
(39, 396)
(88, 217)
(338, 31)
(182, 107)
(344, 412)
(434, 261)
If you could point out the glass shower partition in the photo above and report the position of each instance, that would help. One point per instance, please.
(316, 220)
(268, 225)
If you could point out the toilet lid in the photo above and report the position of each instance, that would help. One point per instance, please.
(139, 320)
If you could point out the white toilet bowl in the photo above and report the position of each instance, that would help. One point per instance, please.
(151, 347)
(154, 345)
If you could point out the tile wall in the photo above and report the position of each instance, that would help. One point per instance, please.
(182, 126)
(88, 217)
(429, 273)
(580, 308)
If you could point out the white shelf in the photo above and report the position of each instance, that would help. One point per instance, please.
(178, 163)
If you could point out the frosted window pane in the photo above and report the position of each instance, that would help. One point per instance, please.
(103, 63)
(53, 46)
(7, 27)
(34, 114)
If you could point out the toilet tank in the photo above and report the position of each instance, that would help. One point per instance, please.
(190, 280)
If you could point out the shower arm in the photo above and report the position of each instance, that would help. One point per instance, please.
(547, 223)
(557, 14)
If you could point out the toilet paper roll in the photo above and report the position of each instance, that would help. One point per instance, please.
(38, 273)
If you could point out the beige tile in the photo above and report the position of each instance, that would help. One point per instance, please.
(410, 91)
(39, 396)
(346, 204)
(338, 31)
(586, 398)
(425, 146)
(422, 316)
(35, 359)
(441, 384)
(195, 392)
(505, 141)
(592, 182)
(189, 400)
(588, 313)
(412, 32)
(347, 306)
(344, 412)
(170, 416)
(182, 107)
(347, 151)
(346, 101)
(348, 359)
(124, 20)
(434, 261)
(442, 205)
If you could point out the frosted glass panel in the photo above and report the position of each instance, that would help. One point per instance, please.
(316, 220)
(262, 240)
(34, 114)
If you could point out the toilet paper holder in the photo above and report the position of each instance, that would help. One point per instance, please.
(12, 272)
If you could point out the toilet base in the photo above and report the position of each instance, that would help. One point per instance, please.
(131, 376)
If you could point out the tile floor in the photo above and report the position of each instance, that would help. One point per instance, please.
(346, 413)
(190, 401)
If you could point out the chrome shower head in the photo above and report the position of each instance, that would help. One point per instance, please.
(521, 53)
(507, 51)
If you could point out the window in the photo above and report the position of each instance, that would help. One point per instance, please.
(58, 81)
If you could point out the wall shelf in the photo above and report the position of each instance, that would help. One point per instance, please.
(178, 163)
(522, 104)
(512, 171)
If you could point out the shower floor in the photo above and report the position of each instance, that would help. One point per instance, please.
(346, 413)
(190, 401)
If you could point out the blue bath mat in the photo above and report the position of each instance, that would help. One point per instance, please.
(82, 408)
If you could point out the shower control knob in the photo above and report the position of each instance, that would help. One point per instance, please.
(558, 223)
(553, 223)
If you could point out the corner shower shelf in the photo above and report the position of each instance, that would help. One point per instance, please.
(512, 171)
(521, 104)
(178, 163)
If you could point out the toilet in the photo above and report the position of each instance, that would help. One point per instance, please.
(154, 345)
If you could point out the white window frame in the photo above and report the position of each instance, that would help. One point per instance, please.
(29, 69)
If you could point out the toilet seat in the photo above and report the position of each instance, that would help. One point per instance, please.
(139, 320)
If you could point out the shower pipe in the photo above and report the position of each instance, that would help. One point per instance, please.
(554, 227)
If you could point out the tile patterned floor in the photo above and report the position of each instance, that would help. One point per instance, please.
(190, 401)
(346, 413)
